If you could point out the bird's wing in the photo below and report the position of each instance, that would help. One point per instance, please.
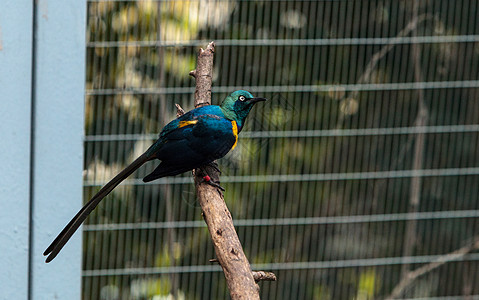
(191, 144)
(175, 128)
(200, 135)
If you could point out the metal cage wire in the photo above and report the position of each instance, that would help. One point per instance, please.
(360, 169)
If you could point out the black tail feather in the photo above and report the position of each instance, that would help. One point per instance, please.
(60, 241)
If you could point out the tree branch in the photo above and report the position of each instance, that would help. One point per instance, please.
(229, 251)
(263, 276)
(366, 75)
(413, 275)
(257, 275)
(410, 236)
(179, 110)
(203, 75)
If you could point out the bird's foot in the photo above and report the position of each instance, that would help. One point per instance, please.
(207, 179)
(214, 165)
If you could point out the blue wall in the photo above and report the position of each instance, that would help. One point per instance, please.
(42, 64)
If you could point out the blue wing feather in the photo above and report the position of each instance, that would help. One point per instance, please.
(184, 147)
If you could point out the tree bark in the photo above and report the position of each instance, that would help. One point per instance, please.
(227, 245)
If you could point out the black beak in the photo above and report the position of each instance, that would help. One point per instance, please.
(254, 100)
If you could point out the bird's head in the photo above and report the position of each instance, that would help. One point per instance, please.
(237, 106)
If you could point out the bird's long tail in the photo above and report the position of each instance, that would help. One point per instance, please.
(71, 227)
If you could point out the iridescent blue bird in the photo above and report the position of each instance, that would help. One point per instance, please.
(193, 140)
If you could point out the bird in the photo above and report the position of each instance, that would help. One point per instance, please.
(190, 141)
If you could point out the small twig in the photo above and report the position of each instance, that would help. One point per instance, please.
(263, 276)
(371, 66)
(179, 110)
(366, 75)
(410, 27)
(443, 259)
(257, 275)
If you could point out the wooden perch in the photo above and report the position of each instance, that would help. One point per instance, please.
(257, 275)
(229, 251)
(263, 276)
(203, 75)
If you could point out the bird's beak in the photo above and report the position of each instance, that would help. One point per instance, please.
(254, 100)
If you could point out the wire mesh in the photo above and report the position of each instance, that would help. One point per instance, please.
(361, 169)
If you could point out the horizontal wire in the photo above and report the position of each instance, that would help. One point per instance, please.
(292, 42)
(295, 88)
(307, 133)
(303, 265)
(362, 131)
(311, 177)
(468, 297)
(366, 262)
(434, 215)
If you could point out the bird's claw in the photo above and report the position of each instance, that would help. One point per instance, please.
(207, 179)
(214, 165)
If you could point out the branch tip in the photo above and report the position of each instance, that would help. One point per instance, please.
(263, 276)
(179, 110)
(211, 47)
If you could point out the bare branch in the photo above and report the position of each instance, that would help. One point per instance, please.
(203, 75)
(413, 275)
(366, 75)
(227, 245)
(410, 236)
(257, 275)
(179, 110)
(410, 27)
(263, 276)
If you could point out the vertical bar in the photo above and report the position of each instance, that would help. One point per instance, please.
(58, 101)
(15, 112)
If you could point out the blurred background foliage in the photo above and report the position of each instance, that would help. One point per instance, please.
(361, 167)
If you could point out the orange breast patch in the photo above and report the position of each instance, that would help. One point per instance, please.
(235, 133)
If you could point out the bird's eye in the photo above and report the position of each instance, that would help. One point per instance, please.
(242, 98)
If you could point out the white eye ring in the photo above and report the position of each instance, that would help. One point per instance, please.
(242, 98)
